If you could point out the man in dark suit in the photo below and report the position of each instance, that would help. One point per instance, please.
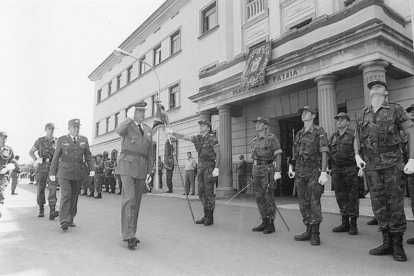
(134, 167)
(72, 151)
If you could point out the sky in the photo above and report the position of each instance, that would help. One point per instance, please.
(47, 51)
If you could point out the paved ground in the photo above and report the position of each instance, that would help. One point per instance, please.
(171, 244)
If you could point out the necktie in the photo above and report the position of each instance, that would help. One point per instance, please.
(74, 140)
(140, 129)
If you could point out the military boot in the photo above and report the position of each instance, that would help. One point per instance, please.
(373, 221)
(315, 239)
(270, 227)
(305, 236)
(397, 247)
(353, 230)
(85, 193)
(41, 211)
(344, 227)
(385, 248)
(91, 194)
(209, 221)
(53, 214)
(410, 241)
(203, 219)
(99, 195)
(261, 226)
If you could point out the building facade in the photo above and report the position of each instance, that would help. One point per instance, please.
(323, 53)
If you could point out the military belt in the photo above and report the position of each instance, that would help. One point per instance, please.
(262, 162)
(309, 164)
(379, 150)
(343, 164)
(70, 159)
(133, 153)
(46, 159)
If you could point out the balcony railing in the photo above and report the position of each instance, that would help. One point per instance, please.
(255, 8)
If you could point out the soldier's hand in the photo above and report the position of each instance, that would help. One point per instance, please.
(52, 178)
(291, 173)
(409, 167)
(323, 178)
(215, 172)
(92, 173)
(168, 130)
(360, 173)
(38, 161)
(277, 176)
(359, 162)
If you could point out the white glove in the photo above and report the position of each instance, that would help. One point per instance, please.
(38, 161)
(52, 178)
(409, 167)
(168, 130)
(147, 181)
(359, 162)
(92, 173)
(277, 176)
(360, 173)
(8, 167)
(215, 172)
(291, 173)
(323, 178)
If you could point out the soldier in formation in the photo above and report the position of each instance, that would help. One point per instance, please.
(410, 177)
(98, 179)
(6, 164)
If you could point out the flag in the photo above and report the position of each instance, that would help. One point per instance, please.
(160, 118)
(254, 71)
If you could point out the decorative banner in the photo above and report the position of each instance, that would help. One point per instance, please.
(161, 118)
(254, 72)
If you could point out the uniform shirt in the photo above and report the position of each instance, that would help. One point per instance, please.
(381, 129)
(45, 149)
(109, 168)
(205, 146)
(6, 156)
(264, 148)
(99, 167)
(341, 147)
(169, 165)
(190, 164)
(309, 146)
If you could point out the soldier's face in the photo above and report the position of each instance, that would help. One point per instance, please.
(139, 115)
(411, 114)
(74, 130)
(204, 128)
(49, 130)
(378, 89)
(307, 116)
(260, 126)
(3, 139)
(98, 158)
(342, 123)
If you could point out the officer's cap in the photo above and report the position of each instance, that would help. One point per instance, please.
(310, 109)
(410, 108)
(140, 105)
(74, 122)
(264, 120)
(49, 125)
(204, 122)
(3, 133)
(374, 82)
(342, 115)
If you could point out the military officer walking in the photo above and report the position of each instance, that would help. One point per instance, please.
(208, 149)
(134, 167)
(410, 177)
(311, 159)
(6, 164)
(378, 126)
(45, 148)
(344, 174)
(266, 150)
(71, 153)
(98, 179)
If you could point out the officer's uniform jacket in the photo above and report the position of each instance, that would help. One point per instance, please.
(136, 156)
(69, 158)
(341, 148)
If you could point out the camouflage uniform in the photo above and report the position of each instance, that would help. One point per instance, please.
(380, 145)
(45, 148)
(109, 170)
(264, 149)
(410, 177)
(344, 172)
(169, 169)
(99, 176)
(14, 174)
(205, 147)
(309, 146)
(6, 156)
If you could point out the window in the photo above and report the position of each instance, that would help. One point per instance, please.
(157, 55)
(97, 129)
(142, 67)
(116, 119)
(107, 123)
(118, 82)
(154, 106)
(209, 17)
(175, 43)
(109, 88)
(99, 96)
(174, 96)
(129, 72)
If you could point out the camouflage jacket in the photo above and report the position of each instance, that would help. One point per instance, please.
(380, 135)
(45, 149)
(264, 149)
(205, 146)
(99, 167)
(341, 147)
(109, 168)
(308, 147)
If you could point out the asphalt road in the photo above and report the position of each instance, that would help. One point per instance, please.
(171, 244)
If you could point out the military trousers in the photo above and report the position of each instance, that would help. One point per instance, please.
(111, 183)
(387, 198)
(98, 181)
(309, 196)
(264, 189)
(85, 183)
(169, 176)
(130, 202)
(206, 182)
(189, 181)
(3, 184)
(410, 180)
(69, 199)
(345, 181)
(15, 180)
(42, 179)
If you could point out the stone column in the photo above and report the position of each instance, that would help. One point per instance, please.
(327, 105)
(372, 70)
(225, 187)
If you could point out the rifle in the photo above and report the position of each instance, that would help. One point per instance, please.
(358, 141)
